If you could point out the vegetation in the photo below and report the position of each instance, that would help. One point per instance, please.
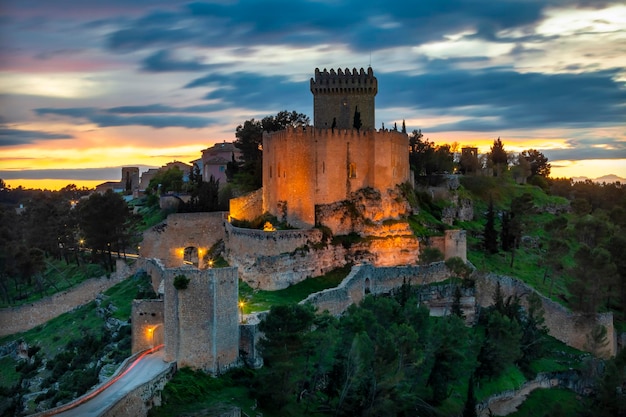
(68, 358)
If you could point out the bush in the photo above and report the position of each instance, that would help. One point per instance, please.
(181, 282)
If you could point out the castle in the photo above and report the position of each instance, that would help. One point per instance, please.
(339, 176)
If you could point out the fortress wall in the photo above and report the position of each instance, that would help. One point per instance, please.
(25, 317)
(201, 320)
(366, 278)
(247, 207)
(242, 243)
(280, 271)
(305, 166)
(147, 324)
(571, 328)
(167, 240)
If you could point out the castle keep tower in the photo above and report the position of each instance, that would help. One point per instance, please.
(305, 166)
(338, 96)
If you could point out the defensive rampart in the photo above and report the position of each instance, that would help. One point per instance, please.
(25, 317)
(247, 207)
(573, 329)
(366, 279)
(167, 240)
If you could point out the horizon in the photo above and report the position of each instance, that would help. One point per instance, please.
(85, 87)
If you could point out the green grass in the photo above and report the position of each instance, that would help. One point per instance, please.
(552, 402)
(54, 335)
(510, 379)
(57, 277)
(261, 300)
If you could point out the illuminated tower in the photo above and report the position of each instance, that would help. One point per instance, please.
(340, 96)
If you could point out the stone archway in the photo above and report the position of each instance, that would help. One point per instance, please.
(367, 286)
(190, 256)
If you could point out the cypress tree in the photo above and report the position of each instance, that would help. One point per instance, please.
(470, 402)
(490, 236)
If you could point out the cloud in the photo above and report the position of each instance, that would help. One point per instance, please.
(254, 91)
(104, 119)
(13, 137)
(163, 61)
(495, 99)
(69, 174)
(162, 108)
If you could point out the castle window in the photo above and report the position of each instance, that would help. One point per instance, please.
(323, 167)
(352, 170)
(270, 172)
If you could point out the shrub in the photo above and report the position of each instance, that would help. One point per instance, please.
(181, 282)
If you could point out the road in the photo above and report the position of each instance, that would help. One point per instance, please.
(146, 367)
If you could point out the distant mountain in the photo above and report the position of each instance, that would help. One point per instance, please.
(605, 178)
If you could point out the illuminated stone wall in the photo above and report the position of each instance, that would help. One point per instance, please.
(147, 321)
(305, 166)
(167, 240)
(247, 207)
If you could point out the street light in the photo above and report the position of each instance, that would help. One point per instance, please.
(241, 304)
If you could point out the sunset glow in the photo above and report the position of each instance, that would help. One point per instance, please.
(145, 83)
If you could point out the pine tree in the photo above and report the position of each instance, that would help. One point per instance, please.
(490, 236)
(403, 126)
(470, 402)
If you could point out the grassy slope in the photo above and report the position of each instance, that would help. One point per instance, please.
(260, 300)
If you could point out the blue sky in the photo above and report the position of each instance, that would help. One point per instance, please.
(86, 88)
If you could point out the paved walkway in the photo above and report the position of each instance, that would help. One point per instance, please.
(143, 369)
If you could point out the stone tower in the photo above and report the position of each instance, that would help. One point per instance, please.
(130, 178)
(339, 96)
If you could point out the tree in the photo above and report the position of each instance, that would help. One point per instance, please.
(501, 346)
(105, 221)
(167, 180)
(538, 163)
(469, 410)
(469, 162)
(403, 126)
(593, 276)
(498, 157)
(490, 235)
(250, 142)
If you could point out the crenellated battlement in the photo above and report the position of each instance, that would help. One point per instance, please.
(323, 133)
(344, 82)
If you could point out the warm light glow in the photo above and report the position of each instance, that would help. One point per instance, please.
(268, 227)
(210, 263)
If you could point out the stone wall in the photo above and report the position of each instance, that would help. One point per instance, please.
(137, 402)
(452, 244)
(304, 167)
(366, 279)
(27, 316)
(201, 321)
(573, 329)
(147, 321)
(168, 239)
(247, 207)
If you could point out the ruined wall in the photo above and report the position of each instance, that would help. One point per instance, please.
(452, 244)
(168, 239)
(27, 316)
(247, 207)
(147, 324)
(201, 321)
(365, 279)
(571, 328)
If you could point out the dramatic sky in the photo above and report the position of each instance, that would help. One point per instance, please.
(89, 86)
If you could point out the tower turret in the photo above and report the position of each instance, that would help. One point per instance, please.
(339, 96)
